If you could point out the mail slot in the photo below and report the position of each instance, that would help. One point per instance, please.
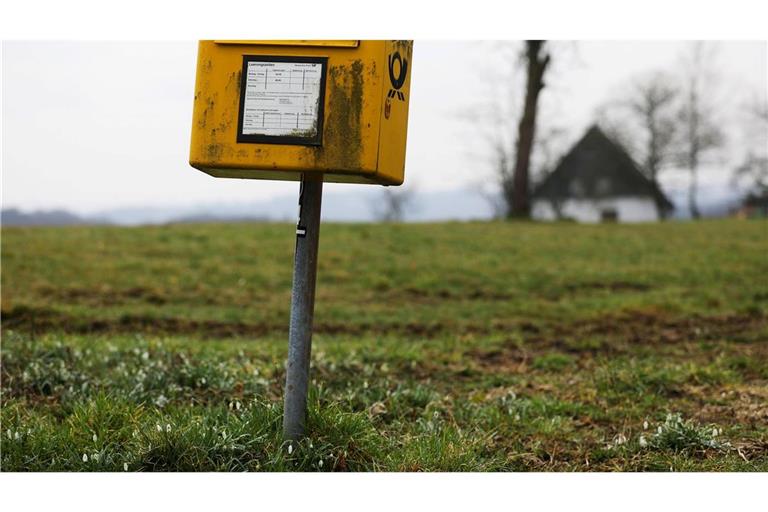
(278, 109)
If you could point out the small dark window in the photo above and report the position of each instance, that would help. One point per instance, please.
(603, 187)
(576, 188)
(609, 215)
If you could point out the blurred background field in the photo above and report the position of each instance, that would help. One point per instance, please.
(450, 346)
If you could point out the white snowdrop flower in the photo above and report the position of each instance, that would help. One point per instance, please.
(9, 434)
(16, 436)
(714, 432)
(320, 464)
(95, 437)
(159, 428)
(85, 458)
(125, 466)
(95, 457)
(365, 384)
(290, 449)
(517, 417)
(643, 442)
(168, 427)
(311, 445)
(658, 430)
(645, 425)
(237, 405)
(145, 355)
(620, 439)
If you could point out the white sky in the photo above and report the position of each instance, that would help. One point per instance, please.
(90, 126)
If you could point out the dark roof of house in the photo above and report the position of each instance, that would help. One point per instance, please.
(597, 167)
(756, 200)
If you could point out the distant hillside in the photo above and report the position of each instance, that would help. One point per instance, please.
(338, 206)
(357, 206)
(15, 217)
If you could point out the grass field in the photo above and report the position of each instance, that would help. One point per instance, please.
(438, 347)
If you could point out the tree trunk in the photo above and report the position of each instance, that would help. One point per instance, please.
(661, 209)
(693, 154)
(537, 64)
(692, 191)
(653, 161)
(694, 147)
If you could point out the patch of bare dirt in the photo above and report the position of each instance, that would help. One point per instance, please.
(39, 320)
(620, 333)
(611, 286)
(416, 293)
(104, 296)
(656, 327)
(606, 334)
(512, 359)
(747, 405)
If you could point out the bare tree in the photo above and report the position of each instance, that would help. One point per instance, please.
(394, 203)
(491, 121)
(498, 196)
(700, 131)
(754, 169)
(510, 106)
(548, 148)
(496, 122)
(653, 105)
(537, 59)
(647, 114)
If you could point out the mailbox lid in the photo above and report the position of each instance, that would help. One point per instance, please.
(331, 43)
(352, 102)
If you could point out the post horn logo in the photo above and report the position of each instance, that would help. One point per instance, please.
(397, 82)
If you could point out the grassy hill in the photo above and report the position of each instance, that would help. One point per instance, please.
(456, 346)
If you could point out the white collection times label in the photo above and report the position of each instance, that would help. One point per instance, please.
(282, 98)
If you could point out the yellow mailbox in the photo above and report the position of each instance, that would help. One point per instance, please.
(277, 109)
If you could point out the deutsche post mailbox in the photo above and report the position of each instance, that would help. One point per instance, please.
(277, 109)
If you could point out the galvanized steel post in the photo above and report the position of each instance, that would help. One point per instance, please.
(302, 308)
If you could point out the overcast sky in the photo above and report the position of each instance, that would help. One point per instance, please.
(90, 126)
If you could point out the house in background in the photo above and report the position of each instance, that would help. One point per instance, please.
(754, 206)
(597, 181)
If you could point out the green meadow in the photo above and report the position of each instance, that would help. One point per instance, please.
(487, 346)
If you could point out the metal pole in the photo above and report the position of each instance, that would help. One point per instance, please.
(302, 308)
